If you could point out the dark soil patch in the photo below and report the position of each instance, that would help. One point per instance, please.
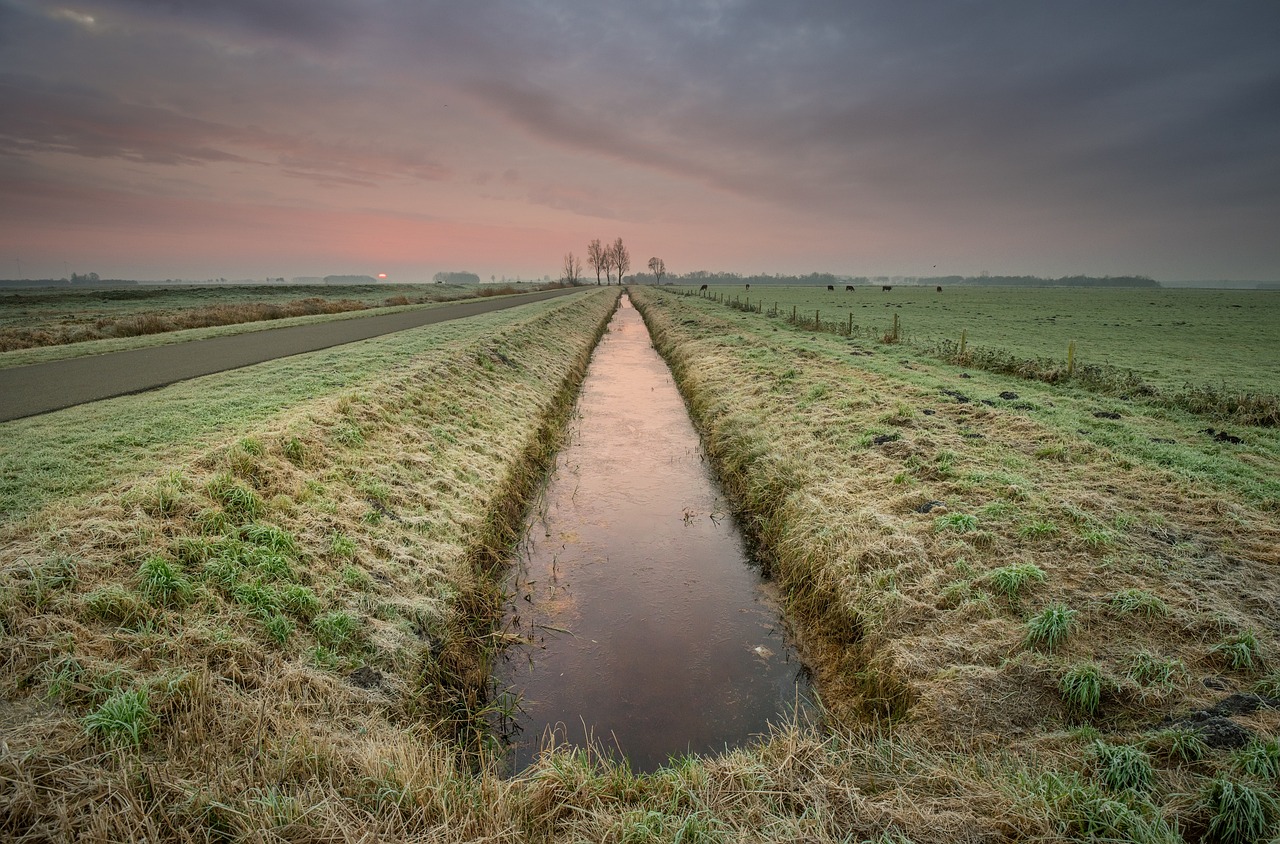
(928, 506)
(960, 397)
(1009, 395)
(886, 438)
(366, 677)
(1222, 436)
(1214, 724)
(1106, 414)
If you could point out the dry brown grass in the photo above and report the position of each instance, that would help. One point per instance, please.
(380, 509)
(895, 607)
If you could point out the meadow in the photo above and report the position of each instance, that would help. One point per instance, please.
(38, 325)
(1170, 338)
(260, 606)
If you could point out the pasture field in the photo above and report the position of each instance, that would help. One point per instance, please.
(267, 614)
(38, 325)
(1168, 337)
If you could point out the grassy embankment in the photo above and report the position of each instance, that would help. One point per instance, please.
(1007, 576)
(43, 325)
(242, 736)
(278, 621)
(1194, 349)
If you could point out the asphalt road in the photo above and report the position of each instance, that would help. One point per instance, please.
(43, 387)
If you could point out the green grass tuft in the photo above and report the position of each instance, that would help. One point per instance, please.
(334, 629)
(270, 537)
(1123, 767)
(1148, 669)
(237, 499)
(1241, 652)
(1178, 744)
(1049, 628)
(115, 605)
(299, 601)
(278, 627)
(124, 718)
(294, 451)
(163, 582)
(1011, 580)
(342, 546)
(1140, 602)
(1081, 687)
(1268, 686)
(1259, 759)
(1238, 813)
(957, 522)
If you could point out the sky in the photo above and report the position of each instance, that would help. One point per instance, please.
(157, 139)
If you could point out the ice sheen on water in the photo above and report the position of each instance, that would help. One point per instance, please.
(652, 634)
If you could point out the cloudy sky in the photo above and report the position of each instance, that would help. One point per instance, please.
(253, 138)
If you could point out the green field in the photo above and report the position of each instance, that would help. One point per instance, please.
(40, 325)
(1169, 338)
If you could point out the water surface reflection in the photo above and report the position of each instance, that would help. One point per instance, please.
(650, 632)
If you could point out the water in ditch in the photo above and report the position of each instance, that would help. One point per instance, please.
(648, 634)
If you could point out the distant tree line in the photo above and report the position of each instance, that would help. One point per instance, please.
(1035, 281)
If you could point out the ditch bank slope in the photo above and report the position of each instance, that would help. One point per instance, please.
(992, 584)
(287, 635)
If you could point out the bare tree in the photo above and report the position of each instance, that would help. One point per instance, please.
(597, 257)
(572, 269)
(621, 258)
(658, 268)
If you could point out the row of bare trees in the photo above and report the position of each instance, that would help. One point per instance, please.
(613, 260)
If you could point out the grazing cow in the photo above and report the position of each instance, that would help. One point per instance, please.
(702, 288)
(848, 288)
(887, 287)
(748, 285)
(939, 288)
(831, 287)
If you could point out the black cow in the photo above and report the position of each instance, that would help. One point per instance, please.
(748, 285)
(848, 288)
(939, 288)
(887, 287)
(702, 288)
(831, 287)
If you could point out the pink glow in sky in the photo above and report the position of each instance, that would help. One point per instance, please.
(239, 138)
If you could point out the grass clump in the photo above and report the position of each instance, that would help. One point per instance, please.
(1123, 767)
(1084, 811)
(357, 578)
(237, 499)
(271, 538)
(335, 629)
(1259, 759)
(1081, 687)
(1238, 812)
(1049, 628)
(1037, 529)
(299, 601)
(1148, 669)
(1268, 686)
(115, 605)
(124, 718)
(1178, 744)
(1241, 652)
(1011, 580)
(955, 522)
(342, 546)
(1139, 602)
(163, 582)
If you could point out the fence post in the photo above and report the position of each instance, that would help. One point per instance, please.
(848, 332)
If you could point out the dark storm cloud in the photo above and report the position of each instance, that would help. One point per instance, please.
(319, 22)
(80, 120)
(915, 113)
